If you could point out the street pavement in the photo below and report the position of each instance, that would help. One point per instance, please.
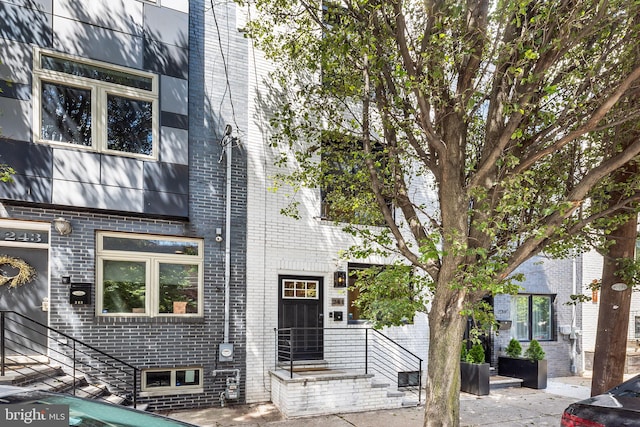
(509, 407)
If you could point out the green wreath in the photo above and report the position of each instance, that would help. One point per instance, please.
(26, 273)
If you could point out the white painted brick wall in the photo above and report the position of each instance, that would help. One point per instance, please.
(280, 245)
(301, 398)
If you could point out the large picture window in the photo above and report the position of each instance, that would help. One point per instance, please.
(141, 275)
(532, 317)
(95, 106)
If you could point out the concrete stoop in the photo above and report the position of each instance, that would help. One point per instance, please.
(326, 391)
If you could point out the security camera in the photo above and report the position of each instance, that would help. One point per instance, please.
(218, 238)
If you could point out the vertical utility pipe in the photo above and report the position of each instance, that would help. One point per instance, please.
(228, 147)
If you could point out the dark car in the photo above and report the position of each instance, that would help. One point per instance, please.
(81, 412)
(618, 407)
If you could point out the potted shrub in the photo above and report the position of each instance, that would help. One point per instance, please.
(474, 371)
(531, 369)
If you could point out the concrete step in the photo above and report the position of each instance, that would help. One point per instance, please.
(499, 381)
(379, 384)
(395, 393)
(58, 384)
(410, 402)
(22, 375)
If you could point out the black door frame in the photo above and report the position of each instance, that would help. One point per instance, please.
(303, 312)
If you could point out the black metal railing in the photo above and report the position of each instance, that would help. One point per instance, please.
(23, 341)
(356, 350)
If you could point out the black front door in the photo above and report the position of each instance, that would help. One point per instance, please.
(300, 318)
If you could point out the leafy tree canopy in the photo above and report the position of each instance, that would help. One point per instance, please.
(486, 130)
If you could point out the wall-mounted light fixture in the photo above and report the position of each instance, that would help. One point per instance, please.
(218, 235)
(340, 279)
(62, 226)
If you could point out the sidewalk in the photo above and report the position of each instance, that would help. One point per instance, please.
(510, 407)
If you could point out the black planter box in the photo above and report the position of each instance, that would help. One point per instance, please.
(474, 378)
(533, 373)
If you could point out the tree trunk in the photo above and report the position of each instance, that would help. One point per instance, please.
(613, 316)
(446, 326)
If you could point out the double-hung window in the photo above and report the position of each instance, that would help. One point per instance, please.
(146, 275)
(95, 106)
(532, 317)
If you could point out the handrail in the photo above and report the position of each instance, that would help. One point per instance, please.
(110, 361)
(367, 352)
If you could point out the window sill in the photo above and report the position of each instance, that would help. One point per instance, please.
(146, 319)
(171, 391)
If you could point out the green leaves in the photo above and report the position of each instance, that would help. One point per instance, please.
(390, 296)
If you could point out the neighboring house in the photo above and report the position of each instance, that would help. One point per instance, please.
(540, 311)
(592, 270)
(114, 115)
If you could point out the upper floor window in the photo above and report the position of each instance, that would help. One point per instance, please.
(346, 194)
(144, 275)
(94, 105)
(532, 317)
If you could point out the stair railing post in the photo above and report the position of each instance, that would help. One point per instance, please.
(135, 387)
(74, 367)
(366, 351)
(291, 347)
(2, 343)
(420, 382)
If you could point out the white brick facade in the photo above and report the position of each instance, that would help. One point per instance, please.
(281, 245)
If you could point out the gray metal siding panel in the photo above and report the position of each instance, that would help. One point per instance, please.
(25, 25)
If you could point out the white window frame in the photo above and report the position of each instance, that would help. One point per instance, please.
(99, 92)
(173, 388)
(306, 289)
(152, 262)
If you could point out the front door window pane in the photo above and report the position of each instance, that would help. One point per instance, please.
(129, 125)
(541, 318)
(178, 288)
(66, 114)
(124, 286)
